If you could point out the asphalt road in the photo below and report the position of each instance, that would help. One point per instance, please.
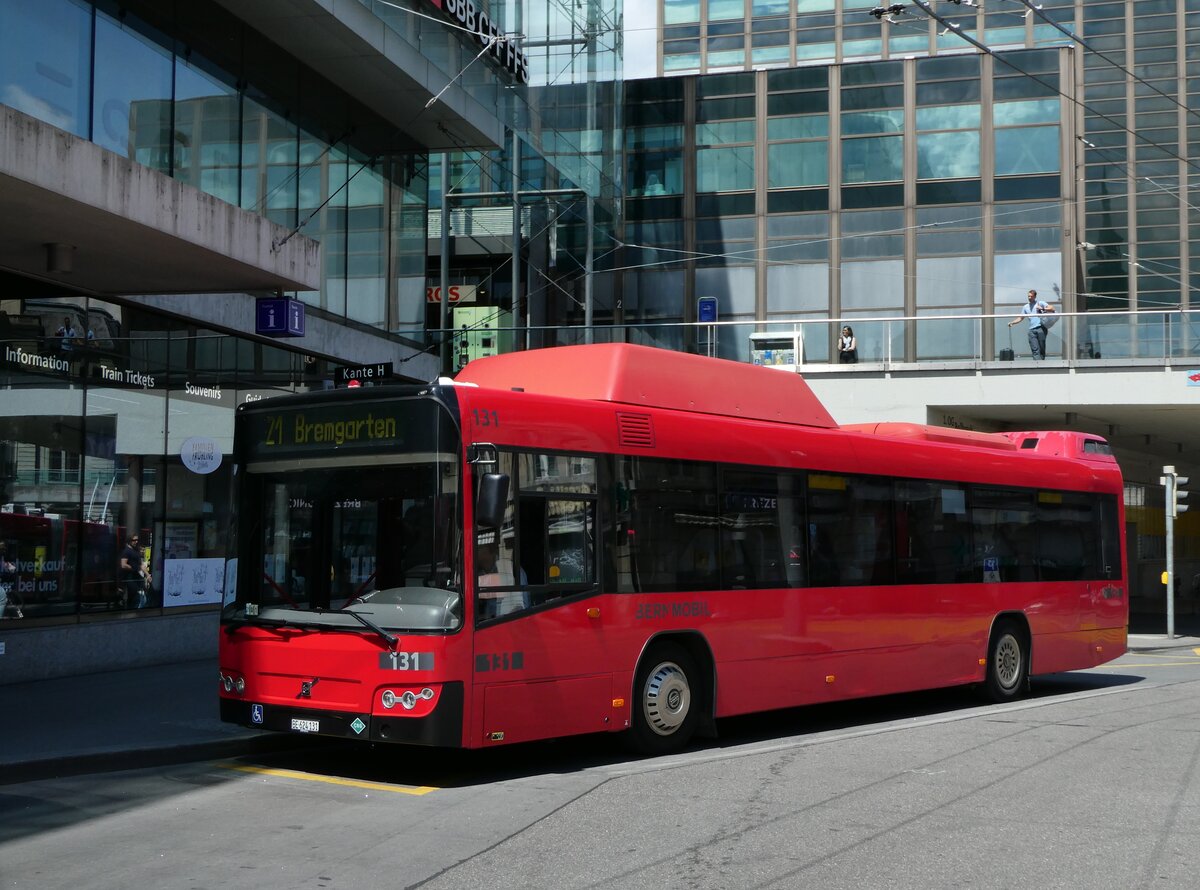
(1092, 782)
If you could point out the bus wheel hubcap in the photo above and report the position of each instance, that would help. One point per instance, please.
(667, 699)
(1008, 661)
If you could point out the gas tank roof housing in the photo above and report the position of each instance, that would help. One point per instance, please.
(626, 374)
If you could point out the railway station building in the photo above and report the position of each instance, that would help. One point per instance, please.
(208, 203)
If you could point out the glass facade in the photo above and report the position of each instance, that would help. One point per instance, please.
(144, 96)
(120, 426)
(1126, 87)
(867, 191)
(262, 132)
(118, 423)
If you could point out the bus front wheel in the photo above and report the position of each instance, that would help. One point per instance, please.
(1008, 662)
(665, 706)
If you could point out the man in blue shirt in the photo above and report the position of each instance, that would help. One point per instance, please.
(1034, 310)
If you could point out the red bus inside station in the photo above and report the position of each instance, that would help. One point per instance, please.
(614, 538)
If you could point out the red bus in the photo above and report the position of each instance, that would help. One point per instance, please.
(614, 538)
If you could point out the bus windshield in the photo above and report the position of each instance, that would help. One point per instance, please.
(328, 539)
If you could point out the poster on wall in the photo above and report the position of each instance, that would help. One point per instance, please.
(230, 581)
(179, 540)
(192, 582)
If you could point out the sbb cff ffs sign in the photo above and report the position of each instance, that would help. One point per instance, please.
(456, 293)
(487, 34)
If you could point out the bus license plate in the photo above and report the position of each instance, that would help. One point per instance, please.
(306, 725)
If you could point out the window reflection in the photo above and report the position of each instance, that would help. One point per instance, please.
(725, 169)
(131, 101)
(681, 11)
(46, 61)
(873, 159)
(206, 148)
(798, 164)
(947, 155)
(1027, 150)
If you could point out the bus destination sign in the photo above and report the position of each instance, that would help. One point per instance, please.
(370, 427)
(324, 428)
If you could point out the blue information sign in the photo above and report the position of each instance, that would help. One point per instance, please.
(279, 317)
(706, 310)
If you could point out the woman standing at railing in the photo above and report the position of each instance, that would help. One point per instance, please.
(847, 346)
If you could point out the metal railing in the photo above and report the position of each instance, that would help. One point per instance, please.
(1154, 338)
(1147, 337)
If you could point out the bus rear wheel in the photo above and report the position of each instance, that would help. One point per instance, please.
(665, 707)
(1008, 662)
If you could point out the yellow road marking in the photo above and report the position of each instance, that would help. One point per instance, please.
(331, 780)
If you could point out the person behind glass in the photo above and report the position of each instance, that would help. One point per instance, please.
(488, 577)
(492, 602)
(9, 601)
(847, 346)
(67, 335)
(134, 576)
(1034, 310)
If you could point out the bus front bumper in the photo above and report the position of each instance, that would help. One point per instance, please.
(442, 727)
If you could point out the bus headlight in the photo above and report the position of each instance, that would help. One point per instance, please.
(398, 701)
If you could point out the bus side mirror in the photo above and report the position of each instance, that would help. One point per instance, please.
(491, 500)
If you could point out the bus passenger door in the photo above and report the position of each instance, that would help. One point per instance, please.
(1110, 594)
(539, 664)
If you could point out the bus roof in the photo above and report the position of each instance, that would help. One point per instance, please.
(947, 435)
(659, 378)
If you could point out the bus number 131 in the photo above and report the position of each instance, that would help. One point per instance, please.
(485, 417)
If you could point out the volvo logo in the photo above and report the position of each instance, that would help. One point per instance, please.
(306, 687)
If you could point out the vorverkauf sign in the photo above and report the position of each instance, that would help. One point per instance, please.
(486, 34)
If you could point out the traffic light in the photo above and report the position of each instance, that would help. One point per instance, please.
(1176, 494)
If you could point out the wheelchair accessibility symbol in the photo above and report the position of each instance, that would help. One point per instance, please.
(256, 713)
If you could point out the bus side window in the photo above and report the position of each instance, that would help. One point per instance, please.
(757, 506)
(1110, 539)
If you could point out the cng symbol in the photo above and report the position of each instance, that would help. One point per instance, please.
(256, 713)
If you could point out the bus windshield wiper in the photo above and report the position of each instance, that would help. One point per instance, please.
(392, 641)
(232, 627)
(279, 623)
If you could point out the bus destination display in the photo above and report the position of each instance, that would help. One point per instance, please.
(370, 427)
